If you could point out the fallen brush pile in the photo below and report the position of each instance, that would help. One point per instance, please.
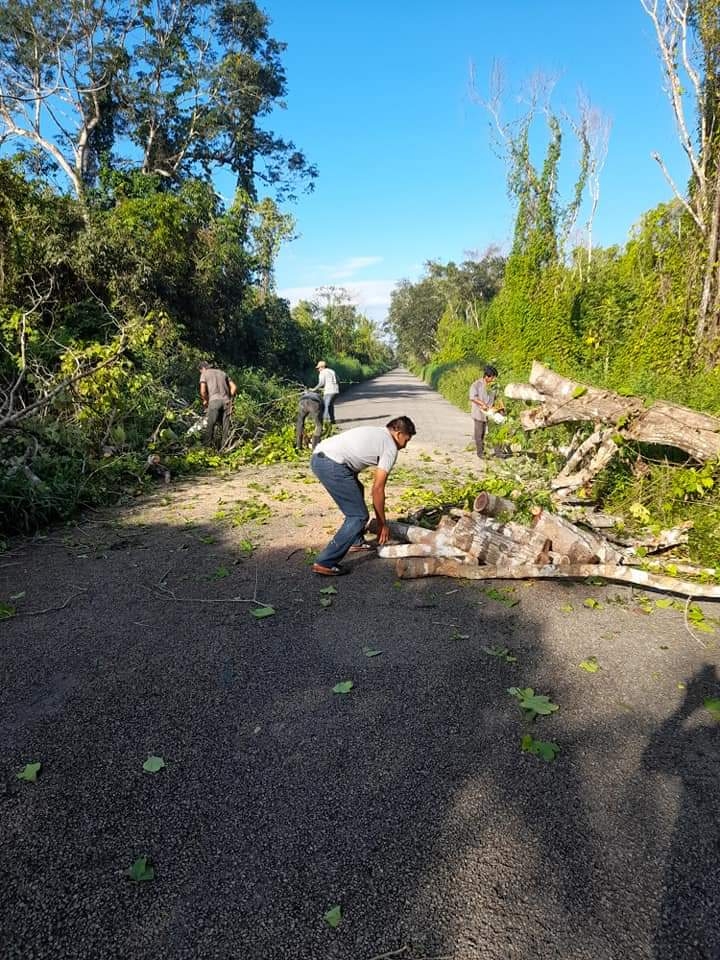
(489, 543)
(485, 543)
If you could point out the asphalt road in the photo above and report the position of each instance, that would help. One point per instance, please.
(407, 801)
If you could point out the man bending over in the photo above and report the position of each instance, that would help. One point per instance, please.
(336, 462)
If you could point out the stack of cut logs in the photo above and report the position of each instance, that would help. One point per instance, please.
(487, 544)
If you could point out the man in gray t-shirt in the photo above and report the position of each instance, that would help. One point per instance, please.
(216, 392)
(336, 463)
(482, 399)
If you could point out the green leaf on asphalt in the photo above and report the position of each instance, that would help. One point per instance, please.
(345, 686)
(6, 611)
(590, 665)
(17, 596)
(370, 652)
(712, 705)
(328, 591)
(502, 596)
(502, 653)
(592, 603)
(333, 917)
(29, 772)
(261, 612)
(533, 704)
(663, 603)
(153, 764)
(545, 749)
(141, 870)
(578, 392)
(567, 608)
(325, 601)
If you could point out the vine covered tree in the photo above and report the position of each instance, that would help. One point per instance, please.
(688, 36)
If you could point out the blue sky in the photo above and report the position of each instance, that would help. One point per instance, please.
(378, 97)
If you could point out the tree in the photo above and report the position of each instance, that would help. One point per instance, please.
(173, 86)
(688, 36)
(544, 221)
(269, 230)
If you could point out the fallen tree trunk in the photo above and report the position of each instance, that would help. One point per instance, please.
(566, 401)
(415, 567)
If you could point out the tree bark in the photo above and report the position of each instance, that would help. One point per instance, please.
(415, 567)
(669, 424)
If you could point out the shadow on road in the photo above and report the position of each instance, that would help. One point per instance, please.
(407, 801)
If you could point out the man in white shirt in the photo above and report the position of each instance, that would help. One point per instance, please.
(336, 462)
(327, 382)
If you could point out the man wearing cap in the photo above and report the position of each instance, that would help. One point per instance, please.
(327, 382)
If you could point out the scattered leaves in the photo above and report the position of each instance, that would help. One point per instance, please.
(29, 772)
(545, 749)
(328, 591)
(153, 764)
(141, 870)
(371, 652)
(502, 653)
(6, 611)
(261, 612)
(502, 596)
(567, 608)
(712, 705)
(578, 392)
(325, 601)
(592, 604)
(333, 916)
(590, 665)
(17, 596)
(345, 686)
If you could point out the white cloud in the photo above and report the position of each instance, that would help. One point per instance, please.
(348, 268)
(371, 296)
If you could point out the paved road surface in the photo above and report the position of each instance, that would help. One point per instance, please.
(407, 801)
(440, 425)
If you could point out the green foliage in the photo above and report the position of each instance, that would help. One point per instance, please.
(29, 772)
(532, 704)
(141, 870)
(545, 749)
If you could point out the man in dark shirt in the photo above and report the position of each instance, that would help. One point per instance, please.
(216, 392)
(310, 405)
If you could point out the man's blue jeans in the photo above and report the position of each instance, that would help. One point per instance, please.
(347, 492)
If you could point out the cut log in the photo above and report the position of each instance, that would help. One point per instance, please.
(392, 551)
(415, 567)
(579, 546)
(492, 506)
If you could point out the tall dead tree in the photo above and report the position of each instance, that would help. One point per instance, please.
(688, 35)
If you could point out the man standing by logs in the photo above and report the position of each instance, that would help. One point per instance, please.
(336, 463)
(482, 400)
